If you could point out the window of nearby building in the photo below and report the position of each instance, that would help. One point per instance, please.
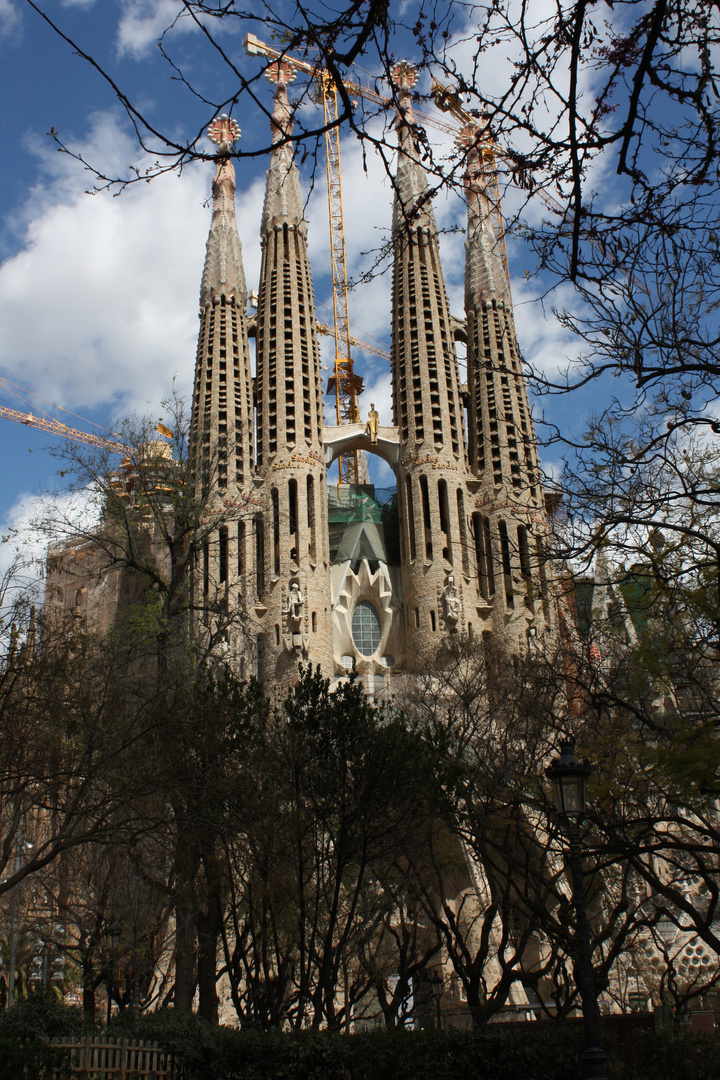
(366, 628)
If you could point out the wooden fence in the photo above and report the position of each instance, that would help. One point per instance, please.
(101, 1058)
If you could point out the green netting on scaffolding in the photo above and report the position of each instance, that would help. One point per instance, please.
(363, 524)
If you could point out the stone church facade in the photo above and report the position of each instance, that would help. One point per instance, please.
(345, 575)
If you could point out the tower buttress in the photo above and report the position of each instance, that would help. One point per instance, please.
(509, 523)
(427, 407)
(291, 533)
(221, 432)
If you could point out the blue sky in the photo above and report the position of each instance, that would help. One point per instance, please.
(98, 293)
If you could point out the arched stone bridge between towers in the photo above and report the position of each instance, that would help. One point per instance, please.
(341, 439)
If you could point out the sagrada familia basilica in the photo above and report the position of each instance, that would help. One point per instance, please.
(328, 574)
(333, 574)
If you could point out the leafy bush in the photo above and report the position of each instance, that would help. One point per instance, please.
(499, 1052)
(25, 1031)
(672, 1052)
(543, 1051)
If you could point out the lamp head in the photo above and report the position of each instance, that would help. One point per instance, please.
(569, 780)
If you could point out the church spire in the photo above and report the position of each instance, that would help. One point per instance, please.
(509, 521)
(223, 273)
(502, 441)
(283, 202)
(221, 426)
(485, 278)
(221, 431)
(426, 390)
(412, 208)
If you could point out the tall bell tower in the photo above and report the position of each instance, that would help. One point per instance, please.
(291, 550)
(221, 431)
(508, 518)
(427, 404)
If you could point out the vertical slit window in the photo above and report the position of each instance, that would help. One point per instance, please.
(506, 564)
(241, 550)
(410, 514)
(311, 516)
(292, 500)
(259, 556)
(425, 494)
(223, 556)
(489, 561)
(276, 529)
(463, 534)
(445, 518)
(524, 552)
(482, 558)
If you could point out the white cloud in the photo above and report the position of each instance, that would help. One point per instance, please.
(143, 22)
(24, 535)
(99, 306)
(9, 19)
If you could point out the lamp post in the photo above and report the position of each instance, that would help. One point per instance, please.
(112, 935)
(569, 779)
(436, 985)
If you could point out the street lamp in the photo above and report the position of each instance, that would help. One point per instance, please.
(112, 935)
(569, 779)
(436, 985)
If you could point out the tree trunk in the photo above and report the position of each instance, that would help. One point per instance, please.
(88, 986)
(186, 867)
(209, 926)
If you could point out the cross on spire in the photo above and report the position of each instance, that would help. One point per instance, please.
(280, 72)
(223, 132)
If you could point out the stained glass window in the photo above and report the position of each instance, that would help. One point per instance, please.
(366, 628)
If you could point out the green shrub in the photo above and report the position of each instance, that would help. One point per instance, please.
(671, 1052)
(25, 1031)
(499, 1052)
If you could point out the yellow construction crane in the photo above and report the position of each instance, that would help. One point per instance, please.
(54, 427)
(63, 431)
(358, 343)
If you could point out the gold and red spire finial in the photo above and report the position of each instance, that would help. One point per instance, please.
(468, 139)
(404, 77)
(223, 131)
(467, 136)
(280, 73)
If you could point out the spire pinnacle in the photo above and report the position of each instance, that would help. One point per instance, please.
(223, 273)
(412, 207)
(485, 277)
(283, 204)
(404, 77)
(281, 74)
